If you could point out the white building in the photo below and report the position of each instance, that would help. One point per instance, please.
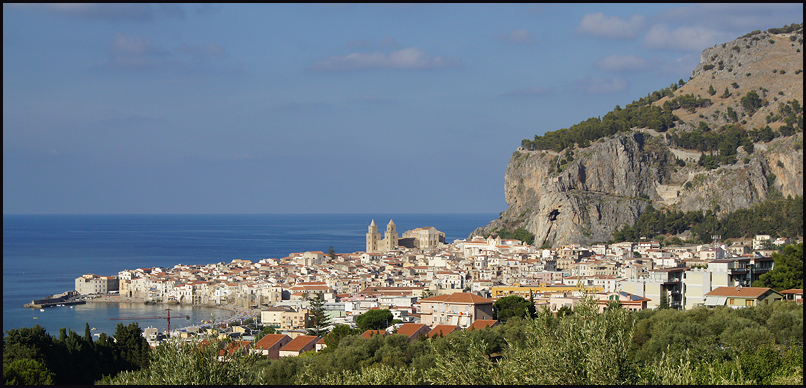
(92, 284)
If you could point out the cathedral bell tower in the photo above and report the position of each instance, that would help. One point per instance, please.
(391, 236)
(373, 237)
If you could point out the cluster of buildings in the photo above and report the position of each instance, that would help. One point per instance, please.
(424, 281)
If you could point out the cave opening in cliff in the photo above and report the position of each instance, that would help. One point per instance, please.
(553, 214)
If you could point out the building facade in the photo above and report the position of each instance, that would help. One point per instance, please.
(93, 284)
(388, 243)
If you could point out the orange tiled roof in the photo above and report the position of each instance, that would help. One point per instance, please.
(408, 329)
(459, 297)
(299, 343)
(740, 292)
(233, 346)
(443, 330)
(482, 323)
(370, 333)
(269, 340)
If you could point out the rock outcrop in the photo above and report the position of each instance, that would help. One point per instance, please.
(584, 197)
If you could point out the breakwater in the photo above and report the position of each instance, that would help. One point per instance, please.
(65, 299)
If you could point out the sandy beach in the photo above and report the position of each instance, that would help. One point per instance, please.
(114, 299)
(237, 313)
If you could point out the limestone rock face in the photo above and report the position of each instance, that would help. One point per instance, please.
(584, 197)
(609, 184)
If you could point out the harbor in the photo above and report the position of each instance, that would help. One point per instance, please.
(68, 298)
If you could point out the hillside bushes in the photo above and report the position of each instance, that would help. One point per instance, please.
(638, 114)
(779, 217)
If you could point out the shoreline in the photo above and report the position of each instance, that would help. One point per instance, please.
(237, 313)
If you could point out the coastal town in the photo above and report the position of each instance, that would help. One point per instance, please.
(431, 286)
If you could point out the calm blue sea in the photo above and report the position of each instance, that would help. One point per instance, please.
(43, 254)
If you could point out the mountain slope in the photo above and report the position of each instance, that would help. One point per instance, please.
(747, 91)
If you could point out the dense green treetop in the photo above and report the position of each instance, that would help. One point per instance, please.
(787, 272)
(374, 320)
(514, 306)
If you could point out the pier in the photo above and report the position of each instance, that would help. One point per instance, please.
(65, 299)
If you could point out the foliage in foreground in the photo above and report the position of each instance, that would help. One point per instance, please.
(32, 357)
(192, 363)
(754, 345)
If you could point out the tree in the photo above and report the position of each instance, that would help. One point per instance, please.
(787, 272)
(26, 372)
(514, 306)
(133, 347)
(374, 319)
(751, 102)
(339, 331)
(317, 319)
(711, 90)
(332, 253)
(87, 333)
(664, 300)
(179, 363)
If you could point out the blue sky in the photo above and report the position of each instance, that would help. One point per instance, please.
(314, 108)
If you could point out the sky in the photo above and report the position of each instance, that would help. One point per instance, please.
(320, 108)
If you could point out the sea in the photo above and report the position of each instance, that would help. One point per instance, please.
(44, 254)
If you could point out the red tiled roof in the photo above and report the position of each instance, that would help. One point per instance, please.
(370, 333)
(299, 343)
(233, 346)
(269, 340)
(482, 323)
(443, 330)
(459, 297)
(740, 292)
(408, 329)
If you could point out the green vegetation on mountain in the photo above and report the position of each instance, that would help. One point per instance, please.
(777, 217)
(639, 114)
(519, 234)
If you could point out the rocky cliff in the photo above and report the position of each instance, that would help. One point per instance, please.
(582, 196)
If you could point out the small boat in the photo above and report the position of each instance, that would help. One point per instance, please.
(71, 306)
(42, 310)
(93, 328)
(36, 317)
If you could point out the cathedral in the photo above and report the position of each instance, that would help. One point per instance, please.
(428, 237)
(389, 242)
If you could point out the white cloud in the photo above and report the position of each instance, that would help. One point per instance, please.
(686, 38)
(134, 52)
(619, 63)
(518, 36)
(409, 58)
(603, 85)
(599, 25)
